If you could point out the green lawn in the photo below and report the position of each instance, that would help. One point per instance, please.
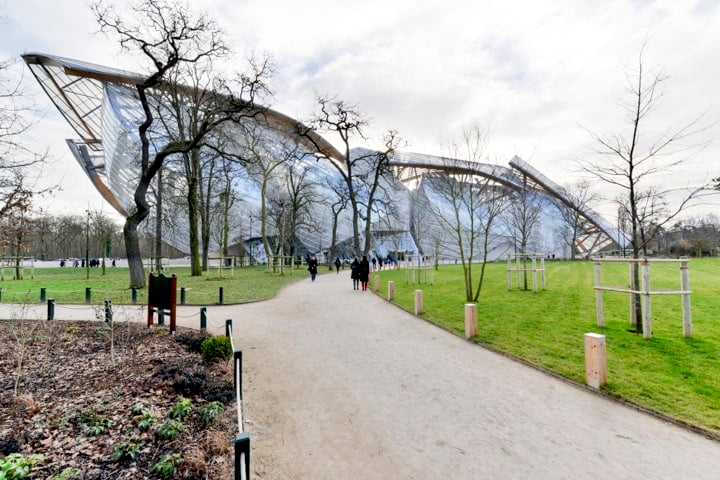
(68, 285)
(668, 373)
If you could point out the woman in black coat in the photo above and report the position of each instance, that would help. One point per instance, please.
(364, 272)
(355, 272)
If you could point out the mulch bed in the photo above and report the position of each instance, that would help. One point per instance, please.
(91, 400)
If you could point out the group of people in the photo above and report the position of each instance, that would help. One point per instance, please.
(359, 271)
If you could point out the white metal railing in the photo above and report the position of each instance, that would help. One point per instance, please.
(242, 439)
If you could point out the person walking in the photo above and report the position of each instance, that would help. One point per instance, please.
(337, 265)
(364, 272)
(355, 272)
(312, 267)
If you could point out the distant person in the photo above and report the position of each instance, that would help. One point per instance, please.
(113, 263)
(374, 262)
(364, 272)
(380, 263)
(312, 267)
(337, 265)
(355, 272)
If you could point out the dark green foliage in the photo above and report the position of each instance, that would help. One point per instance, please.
(216, 348)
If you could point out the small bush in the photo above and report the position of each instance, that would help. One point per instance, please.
(16, 466)
(167, 465)
(216, 348)
(211, 410)
(181, 408)
(170, 429)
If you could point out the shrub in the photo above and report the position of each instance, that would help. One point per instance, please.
(181, 408)
(16, 466)
(167, 464)
(216, 348)
(127, 450)
(210, 411)
(170, 429)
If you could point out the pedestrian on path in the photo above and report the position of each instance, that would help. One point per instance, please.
(312, 267)
(355, 272)
(364, 272)
(337, 265)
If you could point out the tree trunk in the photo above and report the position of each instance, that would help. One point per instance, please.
(134, 256)
(158, 224)
(192, 200)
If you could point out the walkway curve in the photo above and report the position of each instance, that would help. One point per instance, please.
(339, 384)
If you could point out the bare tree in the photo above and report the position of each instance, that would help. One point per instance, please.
(636, 158)
(338, 204)
(474, 202)
(362, 170)
(170, 36)
(580, 197)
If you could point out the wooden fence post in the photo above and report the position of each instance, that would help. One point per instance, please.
(391, 291)
(470, 320)
(599, 296)
(685, 288)
(418, 302)
(595, 360)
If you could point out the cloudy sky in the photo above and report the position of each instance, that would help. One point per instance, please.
(535, 71)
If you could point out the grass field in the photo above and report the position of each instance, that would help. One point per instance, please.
(67, 285)
(670, 374)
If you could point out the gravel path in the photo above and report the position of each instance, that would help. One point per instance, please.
(339, 384)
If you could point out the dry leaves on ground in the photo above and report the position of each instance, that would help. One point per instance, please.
(96, 401)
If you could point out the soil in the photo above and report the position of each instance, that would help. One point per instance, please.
(91, 400)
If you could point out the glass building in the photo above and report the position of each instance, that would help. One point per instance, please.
(101, 106)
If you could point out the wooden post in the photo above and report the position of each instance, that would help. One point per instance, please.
(542, 271)
(647, 325)
(377, 283)
(534, 268)
(418, 302)
(509, 272)
(391, 291)
(633, 296)
(470, 320)
(599, 296)
(595, 360)
(685, 288)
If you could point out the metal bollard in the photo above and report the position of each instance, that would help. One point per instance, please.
(88, 295)
(182, 295)
(161, 316)
(203, 318)
(220, 299)
(237, 361)
(242, 450)
(0, 294)
(42, 294)
(228, 327)
(108, 310)
(134, 295)
(51, 309)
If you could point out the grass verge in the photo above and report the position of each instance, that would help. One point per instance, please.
(670, 374)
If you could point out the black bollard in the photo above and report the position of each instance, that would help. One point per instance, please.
(134, 295)
(220, 300)
(182, 295)
(42, 294)
(108, 311)
(88, 295)
(203, 318)
(51, 309)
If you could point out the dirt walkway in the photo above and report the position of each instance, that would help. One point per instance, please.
(341, 385)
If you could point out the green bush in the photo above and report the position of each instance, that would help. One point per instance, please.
(167, 465)
(16, 466)
(181, 408)
(216, 348)
(211, 410)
